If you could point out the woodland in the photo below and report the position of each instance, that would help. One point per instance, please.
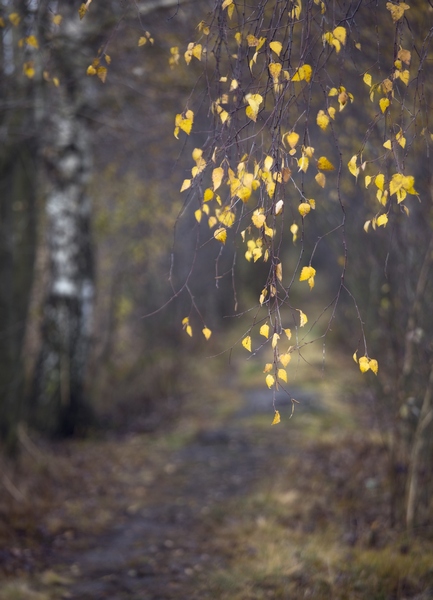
(216, 248)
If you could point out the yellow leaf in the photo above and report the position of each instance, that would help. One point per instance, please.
(275, 339)
(276, 47)
(185, 185)
(340, 34)
(321, 179)
(212, 222)
(285, 359)
(196, 51)
(352, 166)
(291, 139)
(268, 367)
(404, 56)
(206, 332)
(57, 19)
(270, 380)
(404, 76)
(367, 79)
(323, 164)
(368, 179)
(367, 226)
(217, 177)
(288, 333)
(279, 271)
(303, 318)
(333, 92)
(308, 71)
(264, 330)
(384, 103)
(294, 230)
(322, 119)
(388, 145)
(382, 221)
(246, 343)
(397, 10)
(331, 112)
(198, 215)
(91, 70)
(274, 70)
(188, 329)
(303, 163)
(306, 273)
(230, 10)
(142, 40)
(226, 3)
(282, 375)
(32, 41)
(221, 235)
(15, 19)
(258, 218)
(355, 356)
(380, 181)
(304, 208)
(364, 365)
(277, 418)
(29, 69)
(374, 366)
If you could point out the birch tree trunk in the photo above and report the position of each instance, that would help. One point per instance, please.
(60, 406)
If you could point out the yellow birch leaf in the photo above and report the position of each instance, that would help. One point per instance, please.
(15, 19)
(288, 333)
(279, 271)
(294, 230)
(206, 332)
(404, 76)
(198, 215)
(246, 343)
(258, 219)
(308, 71)
(401, 139)
(368, 179)
(206, 209)
(380, 181)
(270, 380)
(282, 375)
(304, 208)
(404, 56)
(322, 120)
(303, 163)
(29, 69)
(91, 70)
(221, 235)
(217, 177)
(397, 10)
(364, 364)
(196, 51)
(331, 112)
(264, 330)
(323, 164)
(277, 418)
(32, 41)
(142, 41)
(57, 19)
(367, 79)
(212, 221)
(285, 359)
(268, 367)
(230, 10)
(352, 166)
(382, 221)
(321, 179)
(355, 356)
(188, 329)
(208, 195)
(303, 320)
(384, 103)
(275, 339)
(275, 70)
(367, 226)
(374, 366)
(388, 145)
(276, 47)
(340, 34)
(269, 161)
(185, 185)
(306, 273)
(291, 139)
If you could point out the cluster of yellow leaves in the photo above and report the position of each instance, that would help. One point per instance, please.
(256, 43)
(15, 19)
(183, 123)
(173, 61)
(336, 38)
(323, 118)
(366, 364)
(253, 101)
(97, 69)
(386, 87)
(399, 185)
(193, 50)
(30, 41)
(308, 274)
(188, 329)
(343, 96)
(229, 5)
(397, 10)
(142, 40)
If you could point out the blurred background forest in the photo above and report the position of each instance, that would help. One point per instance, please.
(95, 236)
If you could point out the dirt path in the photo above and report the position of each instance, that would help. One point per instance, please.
(165, 548)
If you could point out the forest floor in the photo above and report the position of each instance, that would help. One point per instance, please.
(220, 506)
